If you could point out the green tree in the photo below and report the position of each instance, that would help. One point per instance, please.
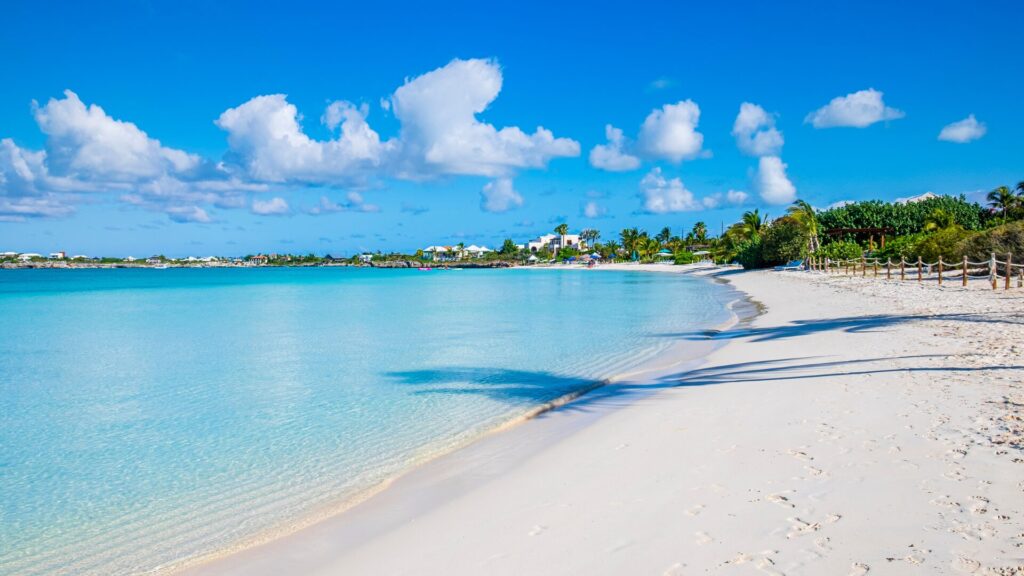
(700, 232)
(1004, 200)
(750, 227)
(648, 248)
(508, 247)
(629, 238)
(609, 249)
(562, 229)
(786, 239)
(663, 236)
(806, 217)
(940, 219)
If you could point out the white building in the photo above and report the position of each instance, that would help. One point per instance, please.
(475, 251)
(554, 242)
(918, 198)
(440, 253)
(28, 256)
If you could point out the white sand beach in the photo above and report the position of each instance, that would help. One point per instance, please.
(855, 426)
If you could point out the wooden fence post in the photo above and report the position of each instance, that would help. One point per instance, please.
(826, 265)
(919, 263)
(888, 268)
(992, 275)
(965, 272)
(903, 268)
(940, 270)
(875, 265)
(1009, 269)
(863, 266)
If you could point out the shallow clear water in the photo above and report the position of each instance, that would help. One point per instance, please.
(153, 415)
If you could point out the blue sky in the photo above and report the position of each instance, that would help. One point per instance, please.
(229, 128)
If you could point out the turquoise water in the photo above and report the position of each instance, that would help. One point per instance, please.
(153, 415)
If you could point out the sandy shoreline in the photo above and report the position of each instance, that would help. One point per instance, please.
(843, 431)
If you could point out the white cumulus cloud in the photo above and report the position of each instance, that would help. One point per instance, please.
(670, 132)
(266, 139)
(88, 151)
(499, 196)
(857, 110)
(963, 131)
(772, 183)
(593, 210)
(441, 134)
(755, 132)
(736, 197)
(276, 206)
(612, 156)
(85, 143)
(661, 195)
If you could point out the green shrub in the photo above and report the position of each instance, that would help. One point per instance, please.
(903, 218)
(566, 253)
(841, 250)
(684, 257)
(1001, 239)
(748, 253)
(784, 240)
(901, 247)
(946, 243)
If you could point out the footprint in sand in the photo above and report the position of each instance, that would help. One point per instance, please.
(814, 471)
(968, 565)
(703, 538)
(695, 510)
(800, 528)
(780, 500)
(859, 569)
(800, 455)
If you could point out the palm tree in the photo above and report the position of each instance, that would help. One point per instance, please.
(700, 232)
(1003, 199)
(649, 247)
(562, 229)
(590, 235)
(610, 249)
(940, 219)
(750, 226)
(629, 237)
(664, 235)
(804, 214)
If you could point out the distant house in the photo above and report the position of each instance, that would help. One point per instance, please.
(555, 242)
(365, 258)
(475, 251)
(28, 256)
(440, 253)
(154, 260)
(258, 260)
(918, 198)
(58, 255)
(130, 258)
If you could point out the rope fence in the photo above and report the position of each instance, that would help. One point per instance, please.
(994, 271)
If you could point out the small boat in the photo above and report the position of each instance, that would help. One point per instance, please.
(425, 268)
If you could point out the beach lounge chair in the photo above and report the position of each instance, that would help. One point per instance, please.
(791, 265)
